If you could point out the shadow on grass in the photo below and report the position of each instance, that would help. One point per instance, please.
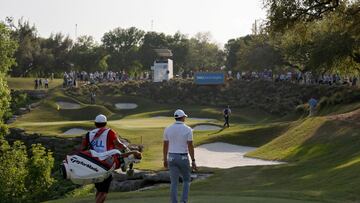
(325, 165)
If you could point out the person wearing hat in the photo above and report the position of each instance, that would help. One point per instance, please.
(177, 146)
(103, 139)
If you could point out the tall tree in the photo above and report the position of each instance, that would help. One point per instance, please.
(282, 14)
(59, 47)
(257, 54)
(180, 47)
(85, 54)
(319, 36)
(321, 46)
(122, 45)
(7, 49)
(204, 54)
(232, 47)
(29, 47)
(23, 178)
(151, 41)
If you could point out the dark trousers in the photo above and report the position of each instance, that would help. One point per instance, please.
(226, 121)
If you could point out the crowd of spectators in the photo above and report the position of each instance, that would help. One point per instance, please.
(296, 77)
(41, 83)
(72, 78)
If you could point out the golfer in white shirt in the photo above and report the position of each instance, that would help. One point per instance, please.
(178, 144)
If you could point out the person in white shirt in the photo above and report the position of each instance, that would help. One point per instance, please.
(178, 144)
(46, 83)
(238, 75)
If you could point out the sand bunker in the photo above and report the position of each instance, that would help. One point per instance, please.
(190, 118)
(206, 127)
(75, 131)
(201, 119)
(126, 106)
(67, 105)
(223, 155)
(161, 117)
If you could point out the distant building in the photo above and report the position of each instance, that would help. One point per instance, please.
(162, 69)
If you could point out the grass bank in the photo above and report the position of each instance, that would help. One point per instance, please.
(322, 153)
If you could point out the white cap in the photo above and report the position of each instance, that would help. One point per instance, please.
(100, 119)
(179, 113)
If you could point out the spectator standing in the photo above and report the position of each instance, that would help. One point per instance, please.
(226, 113)
(230, 74)
(74, 83)
(312, 106)
(354, 81)
(238, 75)
(178, 143)
(36, 81)
(92, 97)
(46, 82)
(40, 83)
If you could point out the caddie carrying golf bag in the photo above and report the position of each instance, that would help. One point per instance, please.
(88, 167)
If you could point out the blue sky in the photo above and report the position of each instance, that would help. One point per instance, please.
(224, 19)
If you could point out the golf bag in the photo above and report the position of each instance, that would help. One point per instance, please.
(88, 167)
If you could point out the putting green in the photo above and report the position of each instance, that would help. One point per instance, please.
(323, 154)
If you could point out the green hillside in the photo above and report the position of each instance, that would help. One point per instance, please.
(28, 83)
(321, 153)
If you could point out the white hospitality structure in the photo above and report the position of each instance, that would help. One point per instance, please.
(163, 67)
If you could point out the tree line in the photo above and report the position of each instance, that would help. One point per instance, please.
(129, 49)
(25, 174)
(307, 36)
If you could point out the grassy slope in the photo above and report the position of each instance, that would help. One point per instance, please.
(324, 163)
(28, 83)
(325, 157)
(323, 154)
(204, 198)
(138, 125)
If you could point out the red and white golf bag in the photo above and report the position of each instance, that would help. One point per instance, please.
(88, 167)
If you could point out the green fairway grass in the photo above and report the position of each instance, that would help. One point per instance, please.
(194, 199)
(322, 154)
(29, 84)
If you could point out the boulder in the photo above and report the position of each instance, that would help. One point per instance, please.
(160, 177)
(36, 94)
(34, 105)
(127, 185)
(12, 119)
(22, 111)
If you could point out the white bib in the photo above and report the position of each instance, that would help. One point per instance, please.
(99, 144)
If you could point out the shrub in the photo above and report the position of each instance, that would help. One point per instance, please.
(24, 177)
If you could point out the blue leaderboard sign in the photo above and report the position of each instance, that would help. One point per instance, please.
(205, 78)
